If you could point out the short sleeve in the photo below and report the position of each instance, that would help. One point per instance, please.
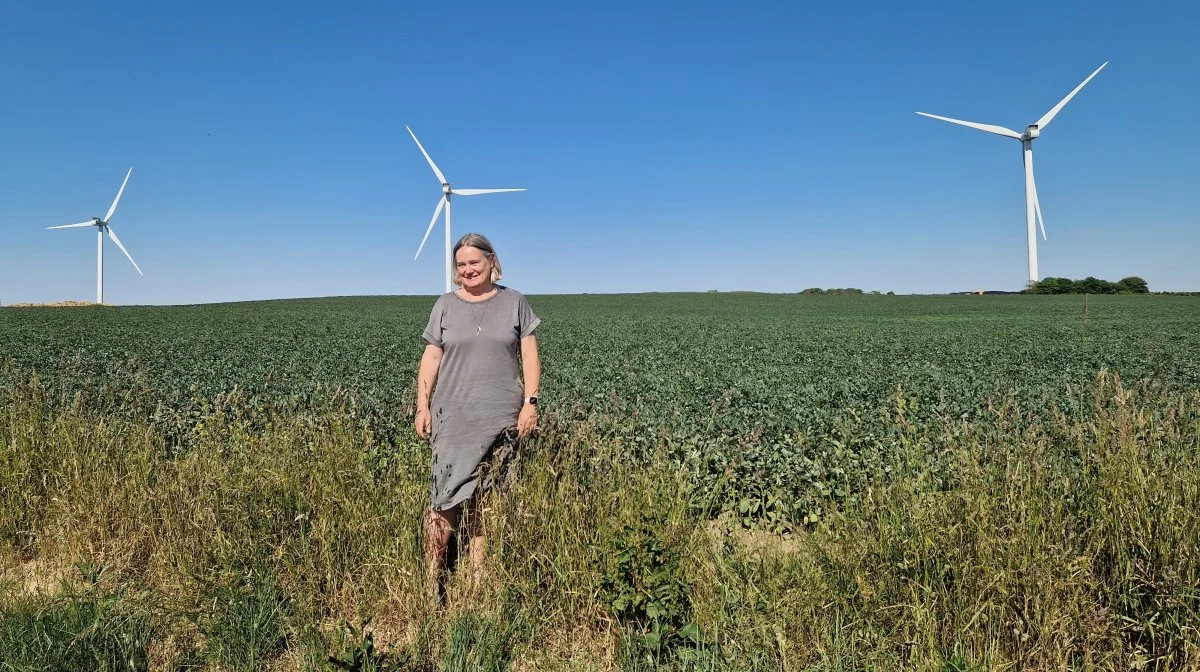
(527, 322)
(433, 330)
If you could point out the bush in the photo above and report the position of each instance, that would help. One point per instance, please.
(646, 590)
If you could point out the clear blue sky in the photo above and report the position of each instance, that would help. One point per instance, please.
(686, 146)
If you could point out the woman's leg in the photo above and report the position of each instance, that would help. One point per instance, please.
(473, 526)
(438, 527)
(499, 466)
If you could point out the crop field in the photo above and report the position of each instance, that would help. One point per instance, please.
(802, 383)
(721, 481)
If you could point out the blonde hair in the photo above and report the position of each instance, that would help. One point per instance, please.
(481, 243)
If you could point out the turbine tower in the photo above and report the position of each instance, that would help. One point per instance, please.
(102, 227)
(444, 202)
(1033, 207)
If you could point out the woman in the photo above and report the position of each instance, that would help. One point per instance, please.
(475, 335)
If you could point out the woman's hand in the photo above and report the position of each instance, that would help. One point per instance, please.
(423, 423)
(527, 420)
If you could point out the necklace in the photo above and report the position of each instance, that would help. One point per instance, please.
(486, 310)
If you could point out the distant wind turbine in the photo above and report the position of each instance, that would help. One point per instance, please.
(102, 227)
(1033, 207)
(444, 202)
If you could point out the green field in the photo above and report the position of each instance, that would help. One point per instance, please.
(804, 383)
(783, 360)
(723, 481)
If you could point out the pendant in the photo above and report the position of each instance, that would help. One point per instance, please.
(478, 329)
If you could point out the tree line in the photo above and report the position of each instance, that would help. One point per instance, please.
(842, 291)
(1088, 285)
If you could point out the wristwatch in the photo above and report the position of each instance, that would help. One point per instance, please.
(532, 401)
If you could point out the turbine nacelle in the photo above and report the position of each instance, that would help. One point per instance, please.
(446, 189)
(1031, 132)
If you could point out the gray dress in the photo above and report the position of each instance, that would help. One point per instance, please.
(478, 393)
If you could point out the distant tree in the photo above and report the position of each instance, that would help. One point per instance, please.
(891, 293)
(1133, 285)
(838, 291)
(1092, 285)
(1054, 286)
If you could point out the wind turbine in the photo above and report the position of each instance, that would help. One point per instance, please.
(102, 227)
(1032, 206)
(444, 202)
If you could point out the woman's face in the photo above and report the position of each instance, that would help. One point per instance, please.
(473, 266)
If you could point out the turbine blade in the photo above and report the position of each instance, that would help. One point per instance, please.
(436, 212)
(1037, 207)
(118, 198)
(118, 242)
(433, 165)
(71, 226)
(1045, 120)
(998, 130)
(476, 192)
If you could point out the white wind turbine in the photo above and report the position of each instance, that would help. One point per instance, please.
(1032, 206)
(447, 191)
(102, 227)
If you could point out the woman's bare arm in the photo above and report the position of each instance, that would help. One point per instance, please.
(431, 361)
(531, 369)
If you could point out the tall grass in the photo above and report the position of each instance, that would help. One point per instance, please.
(1072, 543)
